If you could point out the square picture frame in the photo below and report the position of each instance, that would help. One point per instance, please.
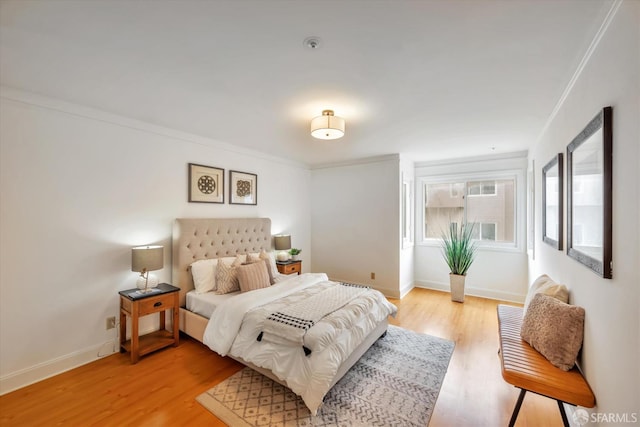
(589, 195)
(552, 199)
(206, 184)
(243, 188)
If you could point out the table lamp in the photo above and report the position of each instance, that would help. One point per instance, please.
(283, 244)
(145, 259)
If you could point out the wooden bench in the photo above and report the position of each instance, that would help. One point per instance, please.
(525, 368)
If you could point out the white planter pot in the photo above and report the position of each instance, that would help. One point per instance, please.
(457, 287)
(294, 257)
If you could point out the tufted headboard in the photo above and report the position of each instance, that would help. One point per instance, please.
(202, 238)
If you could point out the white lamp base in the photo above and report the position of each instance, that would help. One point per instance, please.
(142, 282)
(282, 256)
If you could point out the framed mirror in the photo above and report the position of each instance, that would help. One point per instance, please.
(552, 197)
(589, 195)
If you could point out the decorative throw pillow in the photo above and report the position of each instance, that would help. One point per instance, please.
(253, 276)
(270, 260)
(251, 258)
(204, 275)
(555, 329)
(227, 276)
(545, 285)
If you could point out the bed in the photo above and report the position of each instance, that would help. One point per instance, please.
(198, 239)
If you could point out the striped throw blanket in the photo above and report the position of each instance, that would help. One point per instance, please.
(290, 324)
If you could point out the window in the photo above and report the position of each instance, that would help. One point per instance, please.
(484, 231)
(491, 204)
(486, 188)
(444, 203)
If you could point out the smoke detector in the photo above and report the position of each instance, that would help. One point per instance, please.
(312, 42)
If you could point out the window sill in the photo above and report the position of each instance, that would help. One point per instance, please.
(509, 248)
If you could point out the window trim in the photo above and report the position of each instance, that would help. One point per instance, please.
(407, 212)
(519, 206)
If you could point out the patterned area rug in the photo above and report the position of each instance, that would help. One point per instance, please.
(395, 383)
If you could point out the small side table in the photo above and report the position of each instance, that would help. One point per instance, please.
(136, 304)
(289, 267)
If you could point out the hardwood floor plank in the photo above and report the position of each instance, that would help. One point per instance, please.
(160, 390)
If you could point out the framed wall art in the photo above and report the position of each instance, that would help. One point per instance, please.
(206, 184)
(243, 188)
(589, 195)
(552, 184)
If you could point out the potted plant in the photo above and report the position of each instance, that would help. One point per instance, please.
(294, 252)
(458, 249)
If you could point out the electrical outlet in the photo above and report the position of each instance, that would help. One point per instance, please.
(373, 276)
(111, 322)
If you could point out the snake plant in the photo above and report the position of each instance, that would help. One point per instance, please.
(458, 247)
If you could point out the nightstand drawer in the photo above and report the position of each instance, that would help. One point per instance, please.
(155, 304)
(290, 268)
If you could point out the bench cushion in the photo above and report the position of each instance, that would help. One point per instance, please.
(524, 367)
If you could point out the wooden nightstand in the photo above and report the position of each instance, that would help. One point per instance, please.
(135, 304)
(289, 267)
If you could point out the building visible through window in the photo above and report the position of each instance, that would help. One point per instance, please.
(490, 204)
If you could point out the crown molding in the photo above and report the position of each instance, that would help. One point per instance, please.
(361, 161)
(29, 98)
(613, 10)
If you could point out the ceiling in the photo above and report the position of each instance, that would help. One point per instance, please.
(431, 80)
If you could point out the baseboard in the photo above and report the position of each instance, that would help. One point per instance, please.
(570, 409)
(53, 367)
(50, 368)
(406, 289)
(392, 293)
(476, 292)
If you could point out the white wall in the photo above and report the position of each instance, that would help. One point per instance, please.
(354, 222)
(79, 188)
(612, 325)
(495, 273)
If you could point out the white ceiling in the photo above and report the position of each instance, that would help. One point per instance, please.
(429, 79)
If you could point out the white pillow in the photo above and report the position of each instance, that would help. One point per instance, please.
(273, 269)
(204, 275)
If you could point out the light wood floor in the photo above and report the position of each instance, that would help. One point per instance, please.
(160, 390)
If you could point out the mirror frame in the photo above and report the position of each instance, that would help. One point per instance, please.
(603, 120)
(556, 162)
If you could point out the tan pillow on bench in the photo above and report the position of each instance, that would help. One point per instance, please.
(545, 285)
(555, 329)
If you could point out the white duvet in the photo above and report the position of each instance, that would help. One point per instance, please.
(234, 327)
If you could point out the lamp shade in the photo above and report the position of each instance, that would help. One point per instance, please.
(283, 242)
(327, 126)
(147, 258)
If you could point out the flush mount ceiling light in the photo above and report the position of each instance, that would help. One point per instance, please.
(327, 126)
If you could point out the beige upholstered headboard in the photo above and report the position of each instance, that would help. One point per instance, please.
(202, 238)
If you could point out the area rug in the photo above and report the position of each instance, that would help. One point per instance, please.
(395, 383)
